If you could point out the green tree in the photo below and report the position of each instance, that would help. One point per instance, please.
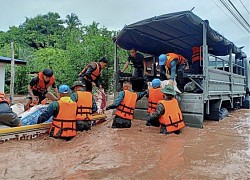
(43, 30)
(72, 21)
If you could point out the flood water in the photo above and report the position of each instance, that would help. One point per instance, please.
(221, 150)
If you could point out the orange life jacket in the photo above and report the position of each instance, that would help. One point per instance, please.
(3, 98)
(172, 117)
(197, 54)
(172, 56)
(94, 74)
(84, 105)
(41, 87)
(64, 124)
(126, 108)
(154, 95)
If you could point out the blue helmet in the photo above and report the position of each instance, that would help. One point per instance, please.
(156, 83)
(64, 89)
(162, 59)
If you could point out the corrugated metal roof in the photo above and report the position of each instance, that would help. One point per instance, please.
(8, 60)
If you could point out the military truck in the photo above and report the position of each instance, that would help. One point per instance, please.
(225, 69)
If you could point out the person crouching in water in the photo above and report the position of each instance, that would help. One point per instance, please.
(168, 112)
(86, 106)
(154, 95)
(64, 115)
(125, 105)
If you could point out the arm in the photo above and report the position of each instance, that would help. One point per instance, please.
(117, 101)
(97, 81)
(145, 68)
(141, 94)
(52, 110)
(57, 93)
(125, 66)
(73, 97)
(33, 82)
(56, 90)
(31, 93)
(147, 93)
(160, 110)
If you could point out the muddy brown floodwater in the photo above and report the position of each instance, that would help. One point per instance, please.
(218, 151)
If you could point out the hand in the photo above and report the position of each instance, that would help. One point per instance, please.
(34, 100)
(93, 84)
(171, 82)
(146, 73)
(99, 110)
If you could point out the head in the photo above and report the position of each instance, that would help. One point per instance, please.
(133, 52)
(162, 59)
(78, 86)
(103, 62)
(168, 91)
(127, 85)
(47, 74)
(64, 90)
(156, 83)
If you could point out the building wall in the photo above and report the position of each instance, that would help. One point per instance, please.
(2, 77)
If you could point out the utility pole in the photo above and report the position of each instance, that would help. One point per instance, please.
(12, 73)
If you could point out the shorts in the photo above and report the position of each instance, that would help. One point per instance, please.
(41, 96)
(119, 122)
(9, 119)
(83, 125)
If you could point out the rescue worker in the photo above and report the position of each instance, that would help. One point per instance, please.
(138, 62)
(168, 112)
(197, 59)
(154, 95)
(91, 73)
(7, 116)
(64, 115)
(86, 106)
(38, 88)
(175, 64)
(125, 105)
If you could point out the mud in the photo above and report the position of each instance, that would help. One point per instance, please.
(218, 151)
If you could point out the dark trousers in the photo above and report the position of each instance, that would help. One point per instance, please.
(119, 122)
(196, 67)
(88, 85)
(83, 125)
(138, 72)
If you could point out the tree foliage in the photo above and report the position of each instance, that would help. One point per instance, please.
(66, 46)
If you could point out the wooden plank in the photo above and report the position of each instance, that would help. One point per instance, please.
(34, 131)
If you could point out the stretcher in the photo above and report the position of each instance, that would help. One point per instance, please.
(33, 131)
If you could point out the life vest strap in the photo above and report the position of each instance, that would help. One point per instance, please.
(151, 103)
(175, 124)
(125, 112)
(80, 109)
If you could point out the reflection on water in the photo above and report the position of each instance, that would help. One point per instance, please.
(218, 151)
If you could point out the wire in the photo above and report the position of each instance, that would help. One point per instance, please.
(229, 16)
(235, 16)
(244, 6)
(238, 12)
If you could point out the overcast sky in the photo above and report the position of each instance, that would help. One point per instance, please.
(114, 14)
